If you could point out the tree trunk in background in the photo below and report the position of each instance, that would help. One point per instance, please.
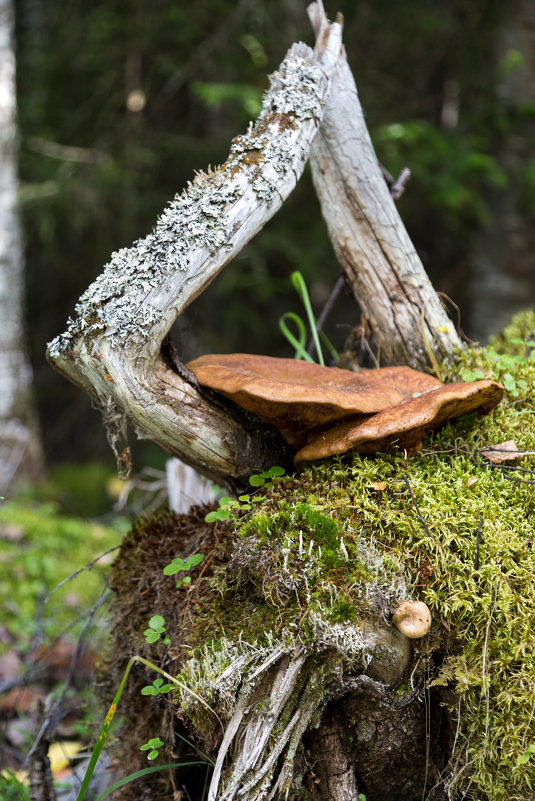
(503, 271)
(20, 446)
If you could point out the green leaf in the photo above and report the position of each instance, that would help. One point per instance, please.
(144, 772)
(193, 560)
(299, 345)
(211, 517)
(301, 288)
(153, 754)
(155, 742)
(149, 690)
(156, 622)
(276, 470)
(256, 481)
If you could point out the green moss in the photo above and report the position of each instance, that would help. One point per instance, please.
(39, 548)
(342, 539)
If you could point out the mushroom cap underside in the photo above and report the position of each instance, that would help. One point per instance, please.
(300, 395)
(403, 425)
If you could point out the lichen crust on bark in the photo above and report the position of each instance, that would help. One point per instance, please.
(200, 223)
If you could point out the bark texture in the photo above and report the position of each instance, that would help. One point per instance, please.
(20, 446)
(368, 236)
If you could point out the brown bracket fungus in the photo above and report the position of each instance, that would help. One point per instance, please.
(413, 619)
(403, 425)
(296, 396)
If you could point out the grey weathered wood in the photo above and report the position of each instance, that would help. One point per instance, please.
(368, 236)
(112, 348)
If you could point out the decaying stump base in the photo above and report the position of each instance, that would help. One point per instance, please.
(349, 732)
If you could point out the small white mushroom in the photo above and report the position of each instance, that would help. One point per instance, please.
(412, 618)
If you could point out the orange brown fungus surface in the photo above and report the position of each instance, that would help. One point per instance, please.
(296, 396)
(403, 425)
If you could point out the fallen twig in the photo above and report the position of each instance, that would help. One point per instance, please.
(418, 513)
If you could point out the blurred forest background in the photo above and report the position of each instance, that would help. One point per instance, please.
(119, 102)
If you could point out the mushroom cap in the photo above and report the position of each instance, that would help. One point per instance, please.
(298, 395)
(403, 425)
(412, 618)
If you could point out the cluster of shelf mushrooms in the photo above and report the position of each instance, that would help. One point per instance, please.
(324, 411)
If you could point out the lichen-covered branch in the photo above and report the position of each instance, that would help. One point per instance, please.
(112, 348)
(368, 236)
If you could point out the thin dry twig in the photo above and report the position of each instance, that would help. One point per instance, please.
(415, 503)
(396, 186)
(478, 541)
(52, 718)
(329, 303)
(81, 570)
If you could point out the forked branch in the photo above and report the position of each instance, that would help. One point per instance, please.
(113, 347)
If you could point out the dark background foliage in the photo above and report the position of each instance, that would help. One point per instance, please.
(121, 101)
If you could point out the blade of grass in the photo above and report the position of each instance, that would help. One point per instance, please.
(144, 772)
(297, 344)
(113, 708)
(330, 347)
(301, 288)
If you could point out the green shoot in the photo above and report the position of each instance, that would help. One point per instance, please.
(299, 342)
(156, 688)
(228, 505)
(152, 746)
(140, 773)
(179, 565)
(265, 477)
(156, 629)
(301, 288)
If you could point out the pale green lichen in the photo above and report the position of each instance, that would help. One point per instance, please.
(195, 220)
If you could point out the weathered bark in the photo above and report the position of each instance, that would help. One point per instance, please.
(20, 446)
(290, 685)
(113, 348)
(369, 238)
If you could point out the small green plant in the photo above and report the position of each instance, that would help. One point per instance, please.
(156, 688)
(504, 366)
(156, 629)
(152, 746)
(179, 565)
(108, 720)
(526, 756)
(299, 342)
(266, 477)
(228, 506)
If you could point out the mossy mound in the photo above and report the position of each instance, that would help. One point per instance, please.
(343, 542)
